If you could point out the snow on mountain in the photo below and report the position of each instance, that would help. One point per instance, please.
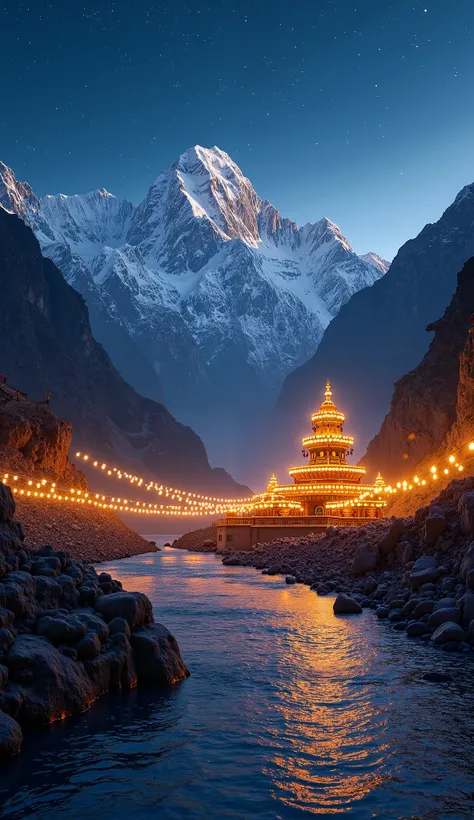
(377, 261)
(221, 295)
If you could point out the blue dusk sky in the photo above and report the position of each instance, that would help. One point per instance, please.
(360, 111)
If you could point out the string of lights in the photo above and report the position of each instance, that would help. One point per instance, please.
(212, 504)
(416, 482)
(23, 485)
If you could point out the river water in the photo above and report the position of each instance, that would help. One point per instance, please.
(289, 712)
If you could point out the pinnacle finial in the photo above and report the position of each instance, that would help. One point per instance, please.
(328, 392)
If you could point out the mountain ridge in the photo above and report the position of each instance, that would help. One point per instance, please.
(206, 279)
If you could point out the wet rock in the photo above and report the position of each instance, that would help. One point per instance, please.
(382, 612)
(345, 605)
(63, 629)
(11, 736)
(157, 655)
(441, 616)
(448, 632)
(94, 624)
(88, 647)
(417, 629)
(290, 579)
(133, 606)
(467, 603)
(400, 626)
(119, 625)
(57, 686)
(232, 561)
(423, 608)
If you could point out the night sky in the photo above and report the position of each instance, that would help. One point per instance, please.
(360, 111)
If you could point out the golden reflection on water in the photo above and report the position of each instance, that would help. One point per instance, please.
(323, 748)
(332, 726)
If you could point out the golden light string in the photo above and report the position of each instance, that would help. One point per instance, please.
(408, 485)
(195, 499)
(34, 488)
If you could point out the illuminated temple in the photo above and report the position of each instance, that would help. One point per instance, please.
(326, 490)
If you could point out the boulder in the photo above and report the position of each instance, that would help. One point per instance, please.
(444, 603)
(467, 602)
(382, 612)
(417, 629)
(56, 686)
(49, 592)
(442, 616)
(157, 655)
(11, 736)
(365, 560)
(447, 633)
(133, 606)
(290, 579)
(466, 510)
(94, 624)
(232, 561)
(435, 525)
(370, 585)
(424, 571)
(392, 538)
(88, 647)
(63, 629)
(345, 605)
(119, 626)
(467, 563)
(470, 579)
(7, 505)
(423, 608)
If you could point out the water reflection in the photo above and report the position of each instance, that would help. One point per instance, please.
(288, 711)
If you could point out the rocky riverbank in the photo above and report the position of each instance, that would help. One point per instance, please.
(416, 572)
(68, 635)
(203, 540)
(88, 534)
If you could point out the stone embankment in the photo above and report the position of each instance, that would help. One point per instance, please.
(68, 635)
(417, 572)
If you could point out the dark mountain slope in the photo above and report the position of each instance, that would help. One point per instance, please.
(47, 344)
(379, 335)
(424, 404)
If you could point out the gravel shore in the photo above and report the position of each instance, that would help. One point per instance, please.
(90, 535)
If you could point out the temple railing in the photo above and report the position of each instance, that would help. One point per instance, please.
(295, 521)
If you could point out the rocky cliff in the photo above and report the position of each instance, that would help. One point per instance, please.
(379, 335)
(436, 398)
(47, 345)
(33, 439)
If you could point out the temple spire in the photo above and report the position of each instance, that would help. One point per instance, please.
(328, 392)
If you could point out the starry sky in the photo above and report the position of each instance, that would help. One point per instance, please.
(360, 111)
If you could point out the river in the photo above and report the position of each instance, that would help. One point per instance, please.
(289, 711)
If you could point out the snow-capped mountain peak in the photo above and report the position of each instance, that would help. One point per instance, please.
(377, 261)
(221, 294)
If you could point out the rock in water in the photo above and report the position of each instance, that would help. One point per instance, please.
(447, 633)
(11, 736)
(157, 655)
(345, 605)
